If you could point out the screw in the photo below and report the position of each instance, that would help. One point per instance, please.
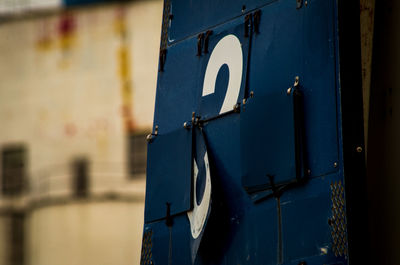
(359, 149)
(149, 138)
(296, 81)
(236, 108)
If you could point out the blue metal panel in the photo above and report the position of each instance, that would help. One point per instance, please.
(180, 85)
(169, 174)
(177, 95)
(238, 230)
(300, 43)
(305, 215)
(176, 236)
(274, 158)
(192, 17)
(293, 225)
(320, 83)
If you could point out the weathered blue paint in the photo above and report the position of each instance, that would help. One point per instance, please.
(277, 224)
(172, 154)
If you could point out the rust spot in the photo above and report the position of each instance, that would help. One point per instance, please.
(66, 30)
(70, 129)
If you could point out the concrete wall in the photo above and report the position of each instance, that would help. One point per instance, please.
(4, 236)
(80, 233)
(65, 90)
(76, 84)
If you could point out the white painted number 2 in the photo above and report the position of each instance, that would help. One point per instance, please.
(227, 51)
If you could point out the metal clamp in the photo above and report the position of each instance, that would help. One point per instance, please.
(299, 4)
(295, 85)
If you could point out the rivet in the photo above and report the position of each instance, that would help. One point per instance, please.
(289, 90)
(335, 164)
(359, 149)
(186, 125)
(251, 94)
(156, 130)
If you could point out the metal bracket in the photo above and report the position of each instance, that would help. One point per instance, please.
(206, 40)
(151, 136)
(299, 4)
(247, 25)
(295, 85)
(200, 39)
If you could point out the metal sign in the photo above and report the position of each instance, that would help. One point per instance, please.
(249, 104)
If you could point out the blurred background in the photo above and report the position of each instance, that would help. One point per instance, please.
(77, 89)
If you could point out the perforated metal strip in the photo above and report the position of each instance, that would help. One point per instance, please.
(165, 24)
(338, 221)
(147, 244)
